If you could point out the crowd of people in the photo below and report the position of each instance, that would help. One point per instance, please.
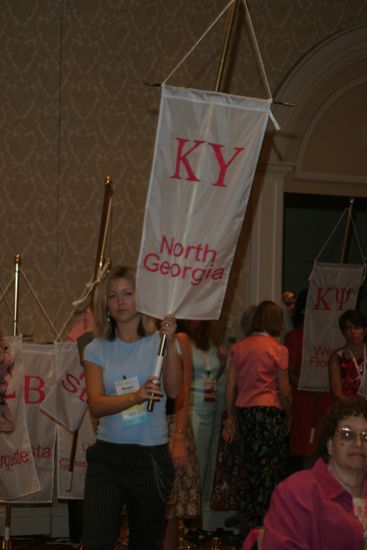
(151, 466)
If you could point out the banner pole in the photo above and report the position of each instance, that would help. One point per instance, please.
(347, 231)
(343, 257)
(102, 238)
(16, 294)
(6, 544)
(225, 46)
(158, 366)
(101, 258)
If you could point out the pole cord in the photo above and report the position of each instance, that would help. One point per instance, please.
(37, 300)
(198, 41)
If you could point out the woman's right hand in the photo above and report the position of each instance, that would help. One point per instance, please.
(150, 390)
(178, 449)
(229, 429)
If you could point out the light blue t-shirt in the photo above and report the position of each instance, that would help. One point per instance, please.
(121, 360)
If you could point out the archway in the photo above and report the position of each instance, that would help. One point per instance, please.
(320, 149)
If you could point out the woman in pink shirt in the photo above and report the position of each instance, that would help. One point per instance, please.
(326, 507)
(258, 398)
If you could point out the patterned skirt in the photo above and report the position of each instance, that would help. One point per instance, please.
(184, 501)
(265, 452)
(229, 475)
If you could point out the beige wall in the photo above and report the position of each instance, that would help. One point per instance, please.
(73, 108)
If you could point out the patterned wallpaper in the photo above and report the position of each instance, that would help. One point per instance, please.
(74, 108)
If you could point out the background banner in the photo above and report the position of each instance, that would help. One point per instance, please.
(67, 400)
(86, 438)
(18, 475)
(206, 151)
(332, 290)
(43, 374)
(39, 378)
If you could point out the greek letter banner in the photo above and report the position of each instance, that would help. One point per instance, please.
(205, 155)
(333, 289)
(27, 447)
(18, 475)
(67, 401)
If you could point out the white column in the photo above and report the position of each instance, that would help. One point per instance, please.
(266, 238)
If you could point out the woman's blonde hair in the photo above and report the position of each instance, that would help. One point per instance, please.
(268, 317)
(105, 326)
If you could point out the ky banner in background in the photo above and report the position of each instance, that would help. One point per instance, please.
(205, 155)
(333, 289)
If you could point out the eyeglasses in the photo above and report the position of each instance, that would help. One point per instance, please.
(346, 435)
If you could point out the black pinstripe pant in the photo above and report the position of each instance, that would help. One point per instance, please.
(139, 476)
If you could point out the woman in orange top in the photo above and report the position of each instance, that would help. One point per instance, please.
(258, 398)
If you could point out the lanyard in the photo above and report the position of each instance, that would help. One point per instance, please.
(206, 362)
(358, 369)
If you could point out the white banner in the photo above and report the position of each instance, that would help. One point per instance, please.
(45, 378)
(332, 290)
(67, 400)
(39, 378)
(205, 155)
(70, 481)
(18, 475)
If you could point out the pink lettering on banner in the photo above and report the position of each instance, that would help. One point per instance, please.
(332, 298)
(323, 350)
(82, 464)
(319, 362)
(10, 395)
(182, 159)
(78, 464)
(16, 458)
(195, 276)
(342, 296)
(199, 253)
(33, 390)
(321, 355)
(75, 384)
(223, 166)
(41, 452)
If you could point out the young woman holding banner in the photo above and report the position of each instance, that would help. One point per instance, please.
(130, 462)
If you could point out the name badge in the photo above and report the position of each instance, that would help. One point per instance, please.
(209, 390)
(137, 413)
